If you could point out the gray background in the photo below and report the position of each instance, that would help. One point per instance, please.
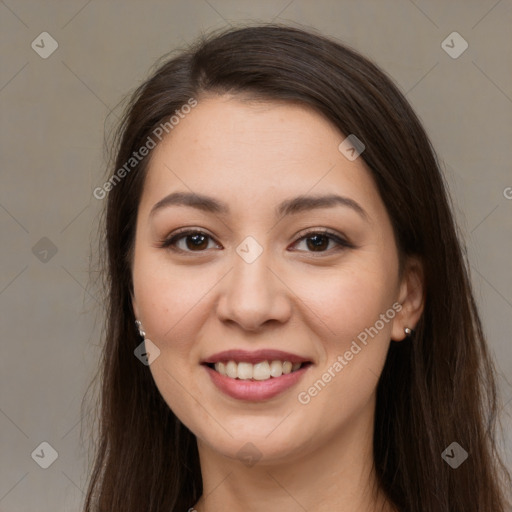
(54, 114)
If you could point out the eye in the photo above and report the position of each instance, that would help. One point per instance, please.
(323, 241)
(188, 241)
(193, 240)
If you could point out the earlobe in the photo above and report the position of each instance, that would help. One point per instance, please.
(411, 298)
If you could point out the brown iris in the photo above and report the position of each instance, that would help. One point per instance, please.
(199, 241)
(320, 242)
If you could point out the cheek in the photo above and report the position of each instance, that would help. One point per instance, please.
(167, 299)
(349, 299)
(345, 381)
(172, 304)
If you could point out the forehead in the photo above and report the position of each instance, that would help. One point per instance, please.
(231, 128)
(246, 151)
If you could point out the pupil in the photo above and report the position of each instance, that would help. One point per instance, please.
(197, 243)
(319, 242)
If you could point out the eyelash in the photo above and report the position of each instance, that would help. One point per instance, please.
(169, 243)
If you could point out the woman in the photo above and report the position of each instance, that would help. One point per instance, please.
(291, 324)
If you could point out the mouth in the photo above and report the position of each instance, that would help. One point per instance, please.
(255, 376)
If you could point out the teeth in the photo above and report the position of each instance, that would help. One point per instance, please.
(231, 369)
(221, 368)
(259, 371)
(276, 368)
(244, 371)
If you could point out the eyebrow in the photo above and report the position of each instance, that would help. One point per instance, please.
(288, 207)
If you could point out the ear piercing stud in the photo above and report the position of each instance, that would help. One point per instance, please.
(138, 323)
(408, 331)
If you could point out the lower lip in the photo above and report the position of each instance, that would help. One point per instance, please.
(255, 390)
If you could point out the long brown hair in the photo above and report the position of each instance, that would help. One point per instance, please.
(436, 389)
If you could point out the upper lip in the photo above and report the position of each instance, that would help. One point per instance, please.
(256, 356)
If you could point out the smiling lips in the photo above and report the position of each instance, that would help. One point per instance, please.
(255, 375)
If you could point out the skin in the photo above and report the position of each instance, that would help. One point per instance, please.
(313, 303)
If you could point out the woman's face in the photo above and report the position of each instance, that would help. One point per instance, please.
(258, 283)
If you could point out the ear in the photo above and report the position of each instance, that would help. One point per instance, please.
(411, 297)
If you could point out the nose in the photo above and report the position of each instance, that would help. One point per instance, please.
(253, 295)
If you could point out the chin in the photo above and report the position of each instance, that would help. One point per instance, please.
(259, 442)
